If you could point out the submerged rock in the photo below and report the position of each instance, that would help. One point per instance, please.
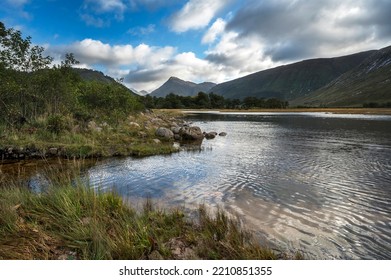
(210, 135)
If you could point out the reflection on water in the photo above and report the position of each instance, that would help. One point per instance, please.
(316, 182)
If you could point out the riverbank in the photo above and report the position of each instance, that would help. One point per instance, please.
(134, 136)
(68, 222)
(364, 111)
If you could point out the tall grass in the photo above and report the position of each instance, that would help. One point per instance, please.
(77, 222)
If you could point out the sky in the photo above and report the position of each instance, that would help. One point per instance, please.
(147, 41)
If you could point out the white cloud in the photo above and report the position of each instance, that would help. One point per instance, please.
(103, 6)
(214, 31)
(196, 14)
(303, 29)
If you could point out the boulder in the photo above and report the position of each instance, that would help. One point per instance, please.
(223, 134)
(164, 133)
(191, 133)
(210, 135)
(175, 129)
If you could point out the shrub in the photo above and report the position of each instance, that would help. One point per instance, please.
(56, 124)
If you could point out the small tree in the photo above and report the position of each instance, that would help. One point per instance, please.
(18, 53)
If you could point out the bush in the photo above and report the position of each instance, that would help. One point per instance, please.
(56, 124)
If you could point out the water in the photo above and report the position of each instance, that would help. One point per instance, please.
(320, 183)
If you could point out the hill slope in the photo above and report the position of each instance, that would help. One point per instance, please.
(180, 87)
(370, 81)
(97, 76)
(290, 81)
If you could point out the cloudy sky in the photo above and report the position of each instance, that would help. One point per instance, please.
(147, 41)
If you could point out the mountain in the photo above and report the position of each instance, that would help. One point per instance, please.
(141, 93)
(290, 81)
(369, 82)
(180, 87)
(93, 75)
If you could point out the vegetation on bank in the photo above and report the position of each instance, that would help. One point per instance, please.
(53, 111)
(210, 101)
(78, 222)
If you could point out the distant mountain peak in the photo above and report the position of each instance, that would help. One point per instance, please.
(180, 87)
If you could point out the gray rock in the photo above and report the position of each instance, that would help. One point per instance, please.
(175, 129)
(164, 133)
(191, 133)
(210, 135)
(223, 134)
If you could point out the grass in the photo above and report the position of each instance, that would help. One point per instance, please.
(133, 136)
(76, 222)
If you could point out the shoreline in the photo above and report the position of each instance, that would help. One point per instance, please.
(355, 111)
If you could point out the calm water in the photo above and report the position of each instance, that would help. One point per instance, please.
(316, 182)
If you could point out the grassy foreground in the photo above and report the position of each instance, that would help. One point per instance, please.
(71, 222)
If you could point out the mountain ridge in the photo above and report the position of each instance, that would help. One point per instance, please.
(369, 82)
(290, 81)
(181, 87)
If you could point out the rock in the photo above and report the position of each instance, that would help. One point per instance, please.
(156, 141)
(223, 134)
(191, 133)
(177, 137)
(134, 124)
(175, 129)
(94, 127)
(142, 134)
(155, 255)
(53, 151)
(210, 135)
(180, 250)
(164, 133)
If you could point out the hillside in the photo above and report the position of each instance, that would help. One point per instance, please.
(369, 82)
(290, 81)
(182, 88)
(97, 76)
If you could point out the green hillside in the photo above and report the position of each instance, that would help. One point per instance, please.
(290, 81)
(369, 82)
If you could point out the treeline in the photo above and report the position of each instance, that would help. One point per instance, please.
(31, 88)
(377, 105)
(210, 101)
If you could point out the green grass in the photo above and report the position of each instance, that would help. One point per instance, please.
(76, 222)
(76, 140)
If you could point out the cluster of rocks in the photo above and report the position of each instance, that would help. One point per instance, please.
(186, 133)
(12, 153)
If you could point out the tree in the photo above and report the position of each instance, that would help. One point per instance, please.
(18, 53)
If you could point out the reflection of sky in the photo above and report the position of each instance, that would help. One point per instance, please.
(323, 183)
